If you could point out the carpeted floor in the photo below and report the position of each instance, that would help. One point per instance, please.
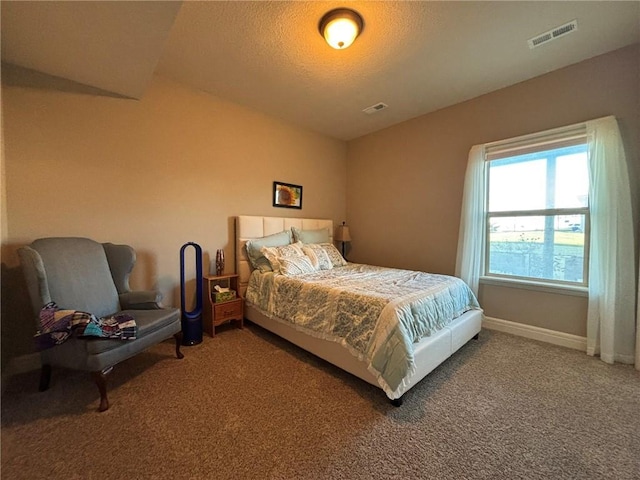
(247, 405)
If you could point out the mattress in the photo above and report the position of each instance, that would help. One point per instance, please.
(377, 314)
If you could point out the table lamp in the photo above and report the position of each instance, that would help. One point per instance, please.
(343, 235)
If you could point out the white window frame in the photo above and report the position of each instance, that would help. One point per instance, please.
(530, 144)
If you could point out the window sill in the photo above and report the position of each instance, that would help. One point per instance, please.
(537, 286)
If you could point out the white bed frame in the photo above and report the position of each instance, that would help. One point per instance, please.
(429, 352)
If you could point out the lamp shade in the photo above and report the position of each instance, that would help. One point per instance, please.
(342, 234)
(340, 27)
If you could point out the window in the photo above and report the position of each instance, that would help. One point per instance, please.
(531, 200)
(537, 210)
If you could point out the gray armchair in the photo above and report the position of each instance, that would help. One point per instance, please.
(81, 274)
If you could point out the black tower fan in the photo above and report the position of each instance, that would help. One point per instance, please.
(191, 321)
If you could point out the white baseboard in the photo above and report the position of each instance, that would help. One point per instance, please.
(536, 333)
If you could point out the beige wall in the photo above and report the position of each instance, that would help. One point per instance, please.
(174, 167)
(405, 182)
(177, 165)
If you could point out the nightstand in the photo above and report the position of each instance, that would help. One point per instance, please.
(218, 312)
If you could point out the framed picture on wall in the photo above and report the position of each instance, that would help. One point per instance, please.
(287, 195)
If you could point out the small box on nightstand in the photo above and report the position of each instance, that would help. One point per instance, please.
(223, 296)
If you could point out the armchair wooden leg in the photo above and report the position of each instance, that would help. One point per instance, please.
(178, 337)
(45, 377)
(100, 377)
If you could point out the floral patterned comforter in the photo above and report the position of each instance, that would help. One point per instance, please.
(376, 313)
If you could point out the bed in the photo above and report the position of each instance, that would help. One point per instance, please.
(383, 357)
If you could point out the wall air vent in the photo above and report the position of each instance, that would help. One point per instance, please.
(375, 108)
(557, 32)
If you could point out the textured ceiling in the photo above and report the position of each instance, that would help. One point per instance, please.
(416, 57)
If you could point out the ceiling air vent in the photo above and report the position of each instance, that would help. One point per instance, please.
(557, 32)
(375, 108)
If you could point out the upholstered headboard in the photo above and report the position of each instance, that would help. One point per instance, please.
(248, 227)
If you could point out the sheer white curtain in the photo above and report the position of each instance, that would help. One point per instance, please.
(612, 284)
(611, 322)
(471, 239)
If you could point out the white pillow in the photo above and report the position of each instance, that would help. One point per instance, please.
(274, 254)
(334, 254)
(319, 258)
(295, 265)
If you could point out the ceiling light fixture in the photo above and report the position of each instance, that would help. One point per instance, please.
(340, 27)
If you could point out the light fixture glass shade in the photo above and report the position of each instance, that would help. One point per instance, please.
(340, 27)
(340, 33)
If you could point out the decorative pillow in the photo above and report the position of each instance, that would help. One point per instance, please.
(334, 254)
(311, 236)
(319, 258)
(275, 254)
(256, 258)
(295, 265)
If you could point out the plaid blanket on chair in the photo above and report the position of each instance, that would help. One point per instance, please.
(57, 325)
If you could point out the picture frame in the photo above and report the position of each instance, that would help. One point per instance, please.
(287, 195)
